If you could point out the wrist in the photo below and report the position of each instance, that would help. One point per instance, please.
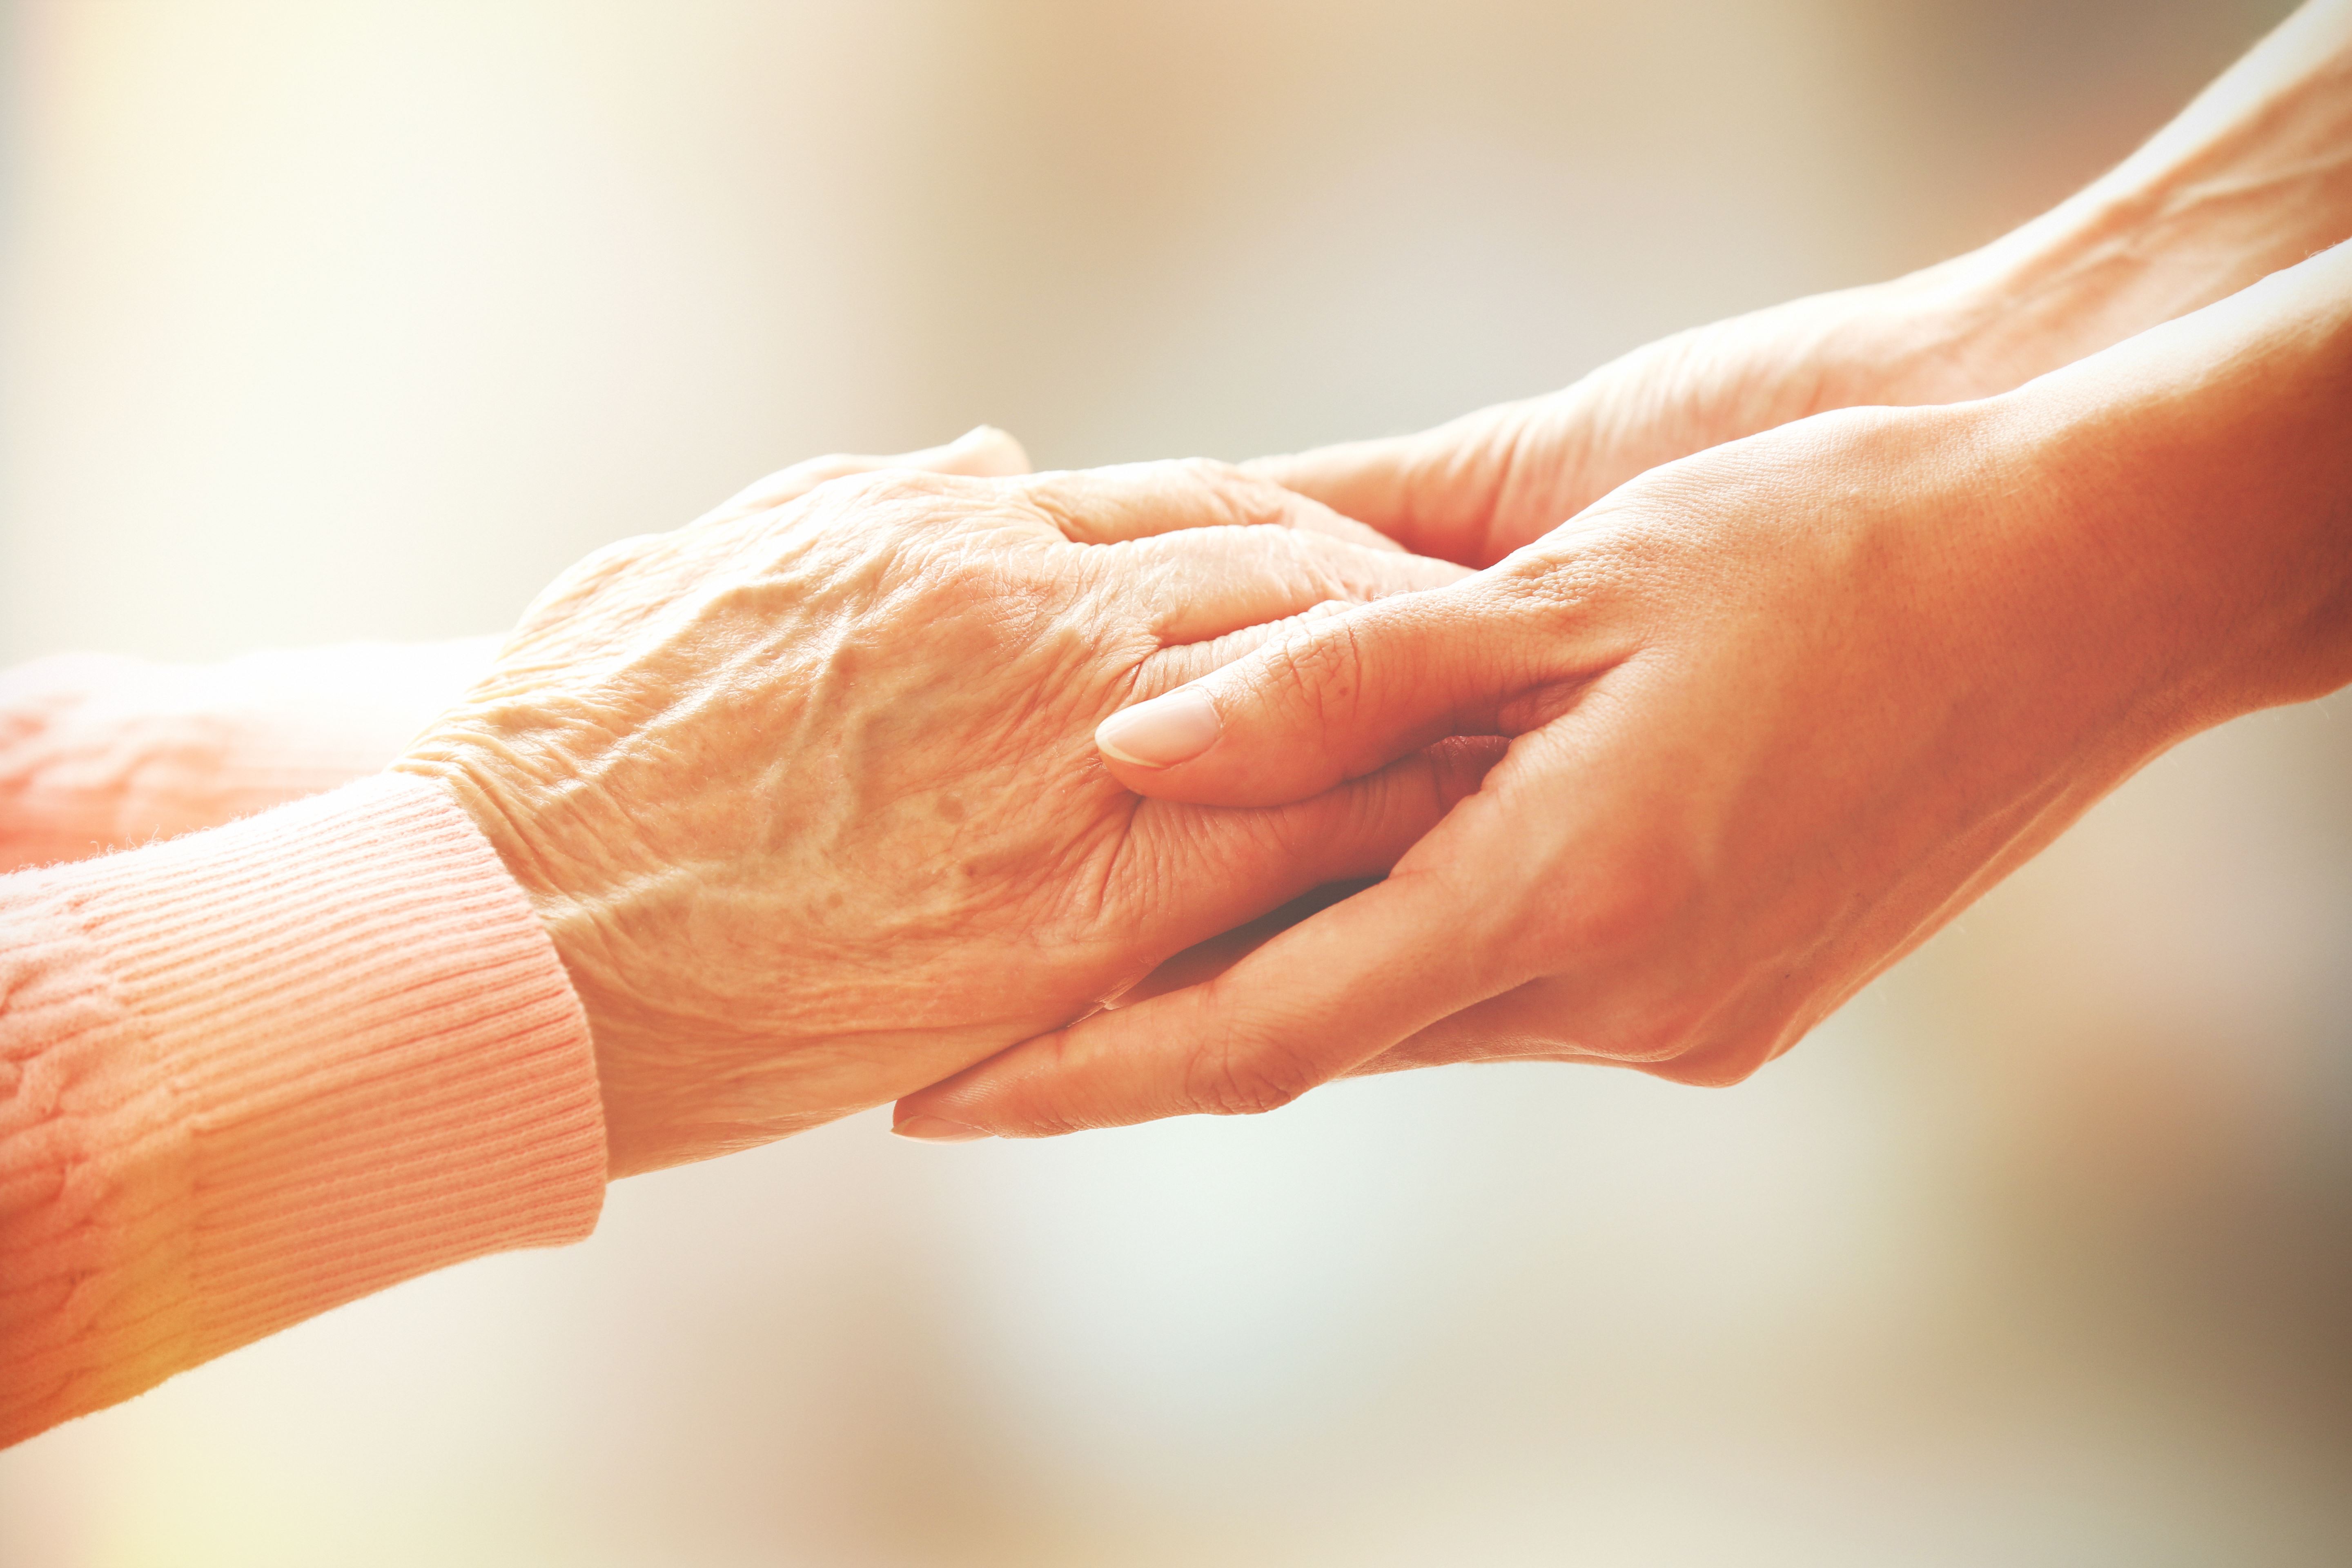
(2074, 281)
(275, 1066)
(2252, 177)
(666, 1096)
(493, 780)
(2196, 479)
(2078, 280)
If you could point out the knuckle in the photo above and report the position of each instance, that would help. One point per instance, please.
(1241, 498)
(1318, 671)
(1249, 1073)
(1207, 471)
(875, 509)
(1515, 457)
(1707, 1038)
(1060, 502)
(1662, 1038)
(1722, 1065)
(1242, 1089)
(773, 491)
(1045, 1117)
(892, 488)
(1549, 585)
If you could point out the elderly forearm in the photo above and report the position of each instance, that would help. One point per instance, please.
(2254, 175)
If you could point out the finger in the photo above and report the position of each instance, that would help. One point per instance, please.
(1502, 1029)
(1436, 492)
(1186, 662)
(1205, 960)
(1206, 583)
(1138, 500)
(1333, 698)
(1307, 1006)
(1533, 1021)
(1205, 870)
(981, 452)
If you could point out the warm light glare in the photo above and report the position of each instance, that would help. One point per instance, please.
(322, 321)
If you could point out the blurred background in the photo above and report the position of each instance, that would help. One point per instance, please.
(322, 321)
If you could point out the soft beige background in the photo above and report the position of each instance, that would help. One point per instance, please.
(322, 321)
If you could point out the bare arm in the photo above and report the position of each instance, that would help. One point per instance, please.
(2254, 175)
(1777, 713)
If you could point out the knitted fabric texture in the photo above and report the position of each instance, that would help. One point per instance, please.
(252, 1073)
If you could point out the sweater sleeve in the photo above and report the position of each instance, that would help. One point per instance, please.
(100, 752)
(255, 1072)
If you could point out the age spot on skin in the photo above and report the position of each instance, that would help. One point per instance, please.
(951, 808)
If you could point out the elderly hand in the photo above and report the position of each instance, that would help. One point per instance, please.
(100, 752)
(983, 452)
(808, 800)
(1776, 714)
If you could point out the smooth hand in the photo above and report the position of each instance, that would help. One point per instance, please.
(1775, 714)
(808, 799)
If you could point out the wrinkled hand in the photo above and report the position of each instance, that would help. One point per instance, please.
(1776, 713)
(983, 452)
(808, 797)
(100, 752)
(1743, 737)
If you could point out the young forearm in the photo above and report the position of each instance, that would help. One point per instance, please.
(2202, 483)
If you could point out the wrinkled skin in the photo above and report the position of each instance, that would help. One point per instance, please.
(1755, 755)
(101, 751)
(1776, 713)
(807, 799)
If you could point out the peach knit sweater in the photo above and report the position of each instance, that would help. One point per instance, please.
(263, 1069)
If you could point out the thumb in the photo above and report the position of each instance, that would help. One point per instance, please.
(1339, 697)
(1311, 1005)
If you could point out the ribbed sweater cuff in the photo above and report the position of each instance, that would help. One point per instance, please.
(289, 1062)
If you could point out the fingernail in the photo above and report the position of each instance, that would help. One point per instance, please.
(1162, 733)
(936, 1129)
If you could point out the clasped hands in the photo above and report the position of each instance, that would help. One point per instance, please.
(901, 785)
(1644, 723)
